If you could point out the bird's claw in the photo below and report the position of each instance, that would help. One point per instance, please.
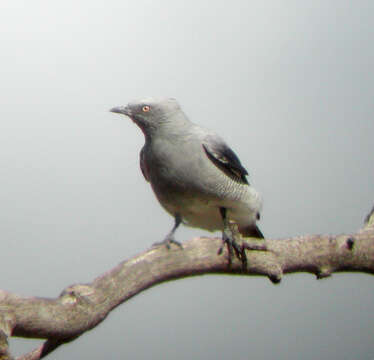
(232, 247)
(167, 241)
(239, 250)
(259, 246)
(251, 246)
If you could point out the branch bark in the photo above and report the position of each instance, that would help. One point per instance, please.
(81, 307)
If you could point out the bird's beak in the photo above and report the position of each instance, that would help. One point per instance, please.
(121, 110)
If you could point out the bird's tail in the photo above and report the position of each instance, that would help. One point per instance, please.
(251, 231)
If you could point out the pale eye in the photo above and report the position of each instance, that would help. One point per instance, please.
(146, 108)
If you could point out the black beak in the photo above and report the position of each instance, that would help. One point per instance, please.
(121, 110)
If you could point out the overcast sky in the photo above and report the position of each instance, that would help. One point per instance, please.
(288, 84)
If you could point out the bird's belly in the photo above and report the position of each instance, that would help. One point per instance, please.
(196, 209)
(203, 212)
(206, 215)
(199, 202)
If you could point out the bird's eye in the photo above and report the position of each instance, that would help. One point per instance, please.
(146, 108)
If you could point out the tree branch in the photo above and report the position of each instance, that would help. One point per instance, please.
(81, 307)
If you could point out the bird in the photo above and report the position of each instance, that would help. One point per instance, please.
(195, 175)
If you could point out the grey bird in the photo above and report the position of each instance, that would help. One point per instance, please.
(194, 174)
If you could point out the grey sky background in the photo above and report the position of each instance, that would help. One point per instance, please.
(288, 84)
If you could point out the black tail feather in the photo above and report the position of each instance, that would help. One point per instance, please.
(252, 231)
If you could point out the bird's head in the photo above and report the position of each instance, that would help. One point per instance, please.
(149, 113)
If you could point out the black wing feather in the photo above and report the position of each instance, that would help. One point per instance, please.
(221, 154)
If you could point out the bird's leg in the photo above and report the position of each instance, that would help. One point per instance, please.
(169, 239)
(229, 239)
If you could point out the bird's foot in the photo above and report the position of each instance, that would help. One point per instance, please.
(168, 241)
(233, 247)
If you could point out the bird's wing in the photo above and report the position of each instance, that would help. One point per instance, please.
(222, 156)
(143, 165)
